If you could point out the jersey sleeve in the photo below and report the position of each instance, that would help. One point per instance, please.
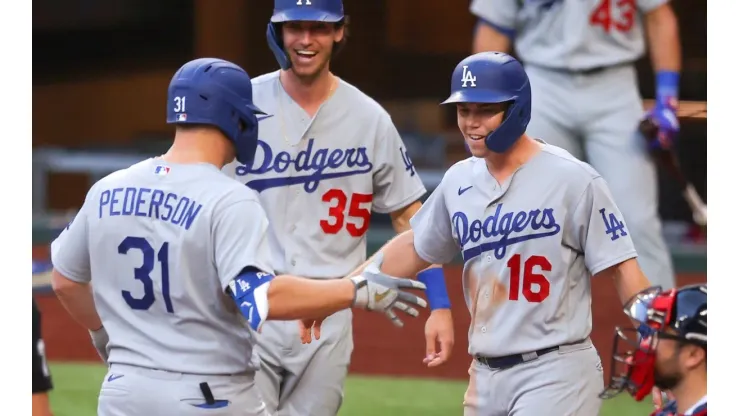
(70, 251)
(598, 229)
(433, 239)
(239, 236)
(500, 14)
(396, 182)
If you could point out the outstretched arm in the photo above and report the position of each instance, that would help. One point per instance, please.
(627, 277)
(411, 253)
(261, 296)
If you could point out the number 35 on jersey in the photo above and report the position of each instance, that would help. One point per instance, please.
(349, 212)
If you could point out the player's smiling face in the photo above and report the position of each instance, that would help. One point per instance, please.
(309, 45)
(476, 121)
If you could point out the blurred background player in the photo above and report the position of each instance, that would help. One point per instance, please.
(579, 55)
(328, 155)
(672, 355)
(41, 378)
(175, 250)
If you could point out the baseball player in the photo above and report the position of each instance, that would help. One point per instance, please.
(533, 225)
(41, 378)
(672, 356)
(579, 56)
(180, 267)
(327, 156)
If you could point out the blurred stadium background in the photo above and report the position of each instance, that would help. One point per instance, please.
(100, 72)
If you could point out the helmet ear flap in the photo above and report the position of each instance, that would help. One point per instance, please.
(275, 42)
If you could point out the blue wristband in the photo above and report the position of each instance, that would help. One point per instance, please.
(666, 85)
(436, 291)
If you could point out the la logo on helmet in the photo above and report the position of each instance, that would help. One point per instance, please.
(300, 3)
(467, 77)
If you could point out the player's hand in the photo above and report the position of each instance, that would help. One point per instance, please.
(660, 125)
(439, 330)
(307, 326)
(379, 292)
(100, 342)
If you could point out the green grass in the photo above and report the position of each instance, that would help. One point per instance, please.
(76, 389)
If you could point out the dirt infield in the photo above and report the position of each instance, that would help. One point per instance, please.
(379, 347)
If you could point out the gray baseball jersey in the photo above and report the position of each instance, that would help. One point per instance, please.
(160, 242)
(319, 178)
(571, 34)
(530, 247)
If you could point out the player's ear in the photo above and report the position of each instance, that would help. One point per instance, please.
(696, 356)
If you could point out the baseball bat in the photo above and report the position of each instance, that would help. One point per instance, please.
(667, 158)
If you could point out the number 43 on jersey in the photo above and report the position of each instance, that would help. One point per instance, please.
(614, 15)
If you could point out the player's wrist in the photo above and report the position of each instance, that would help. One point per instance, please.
(436, 290)
(361, 295)
(666, 87)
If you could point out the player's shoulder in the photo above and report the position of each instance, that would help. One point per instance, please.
(567, 164)
(231, 191)
(462, 169)
(464, 166)
(267, 79)
(355, 98)
(122, 176)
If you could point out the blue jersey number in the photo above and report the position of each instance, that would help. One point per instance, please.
(142, 273)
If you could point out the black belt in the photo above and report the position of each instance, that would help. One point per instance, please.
(586, 71)
(514, 359)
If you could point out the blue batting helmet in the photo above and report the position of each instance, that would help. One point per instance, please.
(218, 93)
(331, 11)
(494, 77)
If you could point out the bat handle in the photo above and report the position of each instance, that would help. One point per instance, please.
(698, 207)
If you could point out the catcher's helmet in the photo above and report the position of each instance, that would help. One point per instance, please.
(331, 11)
(218, 93)
(677, 314)
(495, 77)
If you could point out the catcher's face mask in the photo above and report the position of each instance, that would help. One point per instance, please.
(633, 359)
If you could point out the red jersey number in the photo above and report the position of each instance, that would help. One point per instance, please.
(533, 285)
(620, 17)
(359, 215)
